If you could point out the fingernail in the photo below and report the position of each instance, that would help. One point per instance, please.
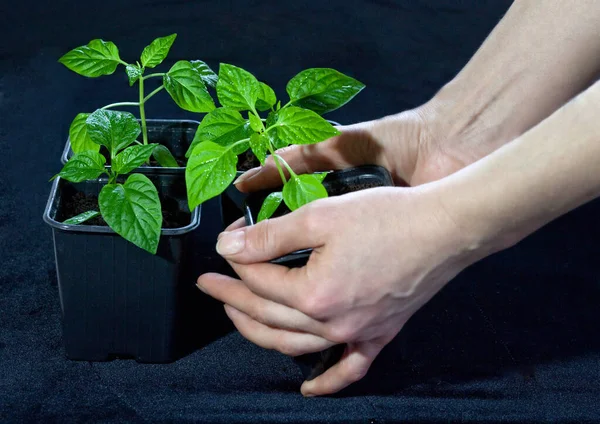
(200, 287)
(231, 243)
(308, 395)
(246, 175)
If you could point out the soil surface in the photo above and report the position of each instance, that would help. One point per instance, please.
(173, 217)
(247, 161)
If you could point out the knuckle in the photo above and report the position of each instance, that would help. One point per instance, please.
(286, 347)
(357, 373)
(340, 333)
(262, 236)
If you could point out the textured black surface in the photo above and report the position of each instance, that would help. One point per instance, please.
(514, 338)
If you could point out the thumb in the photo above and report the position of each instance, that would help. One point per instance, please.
(270, 239)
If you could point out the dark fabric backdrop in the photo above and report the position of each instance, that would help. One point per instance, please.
(512, 339)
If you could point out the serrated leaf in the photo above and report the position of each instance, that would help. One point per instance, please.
(132, 157)
(155, 53)
(302, 126)
(259, 144)
(185, 85)
(164, 157)
(322, 89)
(209, 171)
(87, 165)
(78, 136)
(81, 218)
(223, 126)
(208, 75)
(113, 129)
(134, 73)
(266, 97)
(237, 88)
(97, 58)
(269, 206)
(255, 122)
(302, 189)
(133, 211)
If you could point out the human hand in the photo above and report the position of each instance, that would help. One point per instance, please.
(368, 273)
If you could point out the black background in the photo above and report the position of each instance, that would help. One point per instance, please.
(513, 338)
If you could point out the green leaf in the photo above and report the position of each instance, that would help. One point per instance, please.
(87, 165)
(269, 206)
(133, 211)
(97, 58)
(238, 149)
(321, 176)
(322, 89)
(208, 75)
(82, 217)
(134, 73)
(132, 157)
(164, 157)
(80, 140)
(156, 52)
(185, 85)
(259, 144)
(113, 129)
(266, 98)
(302, 189)
(209, 172)
(255, 122)
(237, 88)
(223, 126)
(302, 126)
(271, 119)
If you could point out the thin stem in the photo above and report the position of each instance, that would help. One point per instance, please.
(120, 104)
(258, 116)
(152, 76)
(276, 160)
(153, 93)
(292, 173)
(143, 112)
(122, 62)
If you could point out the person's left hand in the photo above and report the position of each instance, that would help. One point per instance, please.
(379, 255)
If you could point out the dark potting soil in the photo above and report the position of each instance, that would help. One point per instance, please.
(332, 190)
(247, 161)
(173, 216)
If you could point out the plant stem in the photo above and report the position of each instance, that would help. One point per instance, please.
(153, 93)
(120, 104)
(292, 173)
(152, 76)
(277, 164)
(143, 112)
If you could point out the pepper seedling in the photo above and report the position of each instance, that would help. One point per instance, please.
(186, 82)
(132, 209)
(225, 133)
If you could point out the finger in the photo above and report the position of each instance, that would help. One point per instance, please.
(287, 342)
(271, 238)
(233, 292)
(353, 366)
(236, 225)
(351, 148)
(277, 283)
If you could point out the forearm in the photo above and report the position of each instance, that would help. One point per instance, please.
(539, 56)
(539, 176)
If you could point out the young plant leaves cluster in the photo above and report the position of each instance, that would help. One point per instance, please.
(132, 209)
(237, 126)
(186, 82)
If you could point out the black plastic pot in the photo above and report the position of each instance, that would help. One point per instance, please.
(338, 182)
(117, 300)
(176, 135)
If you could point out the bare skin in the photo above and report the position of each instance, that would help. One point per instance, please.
(482, 164)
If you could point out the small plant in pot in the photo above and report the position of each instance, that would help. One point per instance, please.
(123, 234)
(225, 133)
(186, 82)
